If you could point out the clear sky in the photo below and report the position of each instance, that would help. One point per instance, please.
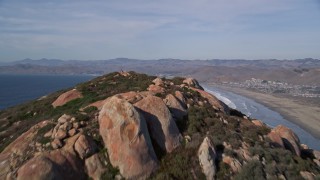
(153, 29)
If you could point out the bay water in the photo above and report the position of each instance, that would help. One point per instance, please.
(17, 89)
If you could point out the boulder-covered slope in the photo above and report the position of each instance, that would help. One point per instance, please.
(133, 126)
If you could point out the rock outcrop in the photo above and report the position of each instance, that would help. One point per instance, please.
(307, 175)
(158, 82)
(17, 152)
(58, 164)
(181, 98)
(94, 167)
(125, 135)
(84, 146)
(177, 109)
(66, 97)
(156, 89)
(192, 83)
(276, 139)
(234, 164)
(163, 128)
(215, 102)
(23, 142)
(289, 138)
(207, 157)
(258, 123)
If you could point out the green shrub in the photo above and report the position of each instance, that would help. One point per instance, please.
(177, 80)
(223, 171)
(180, 164)
(252, 170)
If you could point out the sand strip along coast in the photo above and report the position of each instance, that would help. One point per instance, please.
(304, 115)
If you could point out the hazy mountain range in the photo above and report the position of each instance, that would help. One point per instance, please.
(300, 71)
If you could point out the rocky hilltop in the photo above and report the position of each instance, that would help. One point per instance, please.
(132, 126)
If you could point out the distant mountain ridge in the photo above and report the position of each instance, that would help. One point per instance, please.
(298, 63)
(293, 71)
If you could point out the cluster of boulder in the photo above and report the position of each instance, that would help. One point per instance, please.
(67, 126)
(132, 124)
(283, 137)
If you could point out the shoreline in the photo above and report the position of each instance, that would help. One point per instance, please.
(303, 115)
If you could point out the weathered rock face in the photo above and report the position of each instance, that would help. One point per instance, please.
(57, 164)
(131, 96)
(84, 146)
(64, 163)
(94, 167)
(258, 123)
(307, 175)
(316, 154)
(233, 163)
(39, 168)
(207, 157)
(158, 82)
(126, 137)
(155, 89)
(176, 108)
(289, 138)
(66, 97)
(16, 152)
(276, 139)
(64, 118)
(216, 103)
(192, 83)
(163, 128)
(56, 143)
(181, 98)
(22, 143)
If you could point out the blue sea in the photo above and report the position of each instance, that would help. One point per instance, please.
(16, 89)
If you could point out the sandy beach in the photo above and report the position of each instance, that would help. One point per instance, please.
(304, 115)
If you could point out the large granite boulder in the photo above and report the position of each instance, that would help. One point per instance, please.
(289, 138)
(94, 167)
(234, 164)
(207, 157)
(66, 97)
(276, 140)
(175, 106)
(158, 81)
(156, 89)
(181, 98)
(192, 83)
(85, 146)
(17, 151)
(162, 127)
(258, 123)
(58, 164)
(215, 102)
(126, 137)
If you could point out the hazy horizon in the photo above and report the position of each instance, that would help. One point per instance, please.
(150, 30)
(105, 59)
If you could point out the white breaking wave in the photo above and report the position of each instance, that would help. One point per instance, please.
(222, 98)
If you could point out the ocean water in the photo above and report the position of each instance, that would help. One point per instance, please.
(16, 89)
(256, 110)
